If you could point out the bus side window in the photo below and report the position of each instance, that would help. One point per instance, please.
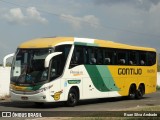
(122, 58)
(91, 55)
(151, 58)
(132, 58)
(99, 56)
(108, 57)
(93, 59)
(77, 57)
(142, 59)
(74, 59)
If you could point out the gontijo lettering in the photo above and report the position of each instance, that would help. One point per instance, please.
(129, 71)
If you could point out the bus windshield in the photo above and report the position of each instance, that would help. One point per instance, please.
(28, 66)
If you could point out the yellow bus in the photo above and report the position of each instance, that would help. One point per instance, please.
(72, 69)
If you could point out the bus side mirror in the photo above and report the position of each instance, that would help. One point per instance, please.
(49, 57)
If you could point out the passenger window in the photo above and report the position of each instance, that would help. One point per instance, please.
(132, 58)
(99, 56)
(122, 58)
(151, 58)
(77, 57)
(108, 57)
(142, 59)
(92, 56)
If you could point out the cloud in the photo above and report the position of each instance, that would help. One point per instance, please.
(141, 4)
(154, 19)
(126, 1)
(155, 2)
(30, 15)
(109, 2)
(33, 14)
(155, 8)
(15, 16)
(78, 22)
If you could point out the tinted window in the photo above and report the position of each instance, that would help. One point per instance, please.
(78, 56)
(132, 59)
(110, 56)
(121, 57)
(151, 58)
(142, 58)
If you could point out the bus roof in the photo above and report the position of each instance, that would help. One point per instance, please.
(111, 44)
(54, 41)
(46, 42)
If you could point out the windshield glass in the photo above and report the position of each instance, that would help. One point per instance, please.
(28, 66)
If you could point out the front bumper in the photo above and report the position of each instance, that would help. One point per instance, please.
(38, 97)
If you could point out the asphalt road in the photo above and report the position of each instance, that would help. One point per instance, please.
(108, 104)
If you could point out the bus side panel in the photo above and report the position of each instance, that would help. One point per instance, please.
(100, 82)
(55, 92)
(151, 85)
(95, 82)
(124, 76)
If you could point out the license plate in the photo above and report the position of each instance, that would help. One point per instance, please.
(24, 98)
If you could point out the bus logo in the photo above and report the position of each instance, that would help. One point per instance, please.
(76, 73)
(56, 96)
(129, 71)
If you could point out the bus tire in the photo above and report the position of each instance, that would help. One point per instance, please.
(132, 92)
(72, 98)
(39, 104)
(140, 92)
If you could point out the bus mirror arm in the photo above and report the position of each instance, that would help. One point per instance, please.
(49, 57)
(6, 57)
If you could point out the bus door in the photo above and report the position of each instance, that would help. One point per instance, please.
(54, 76)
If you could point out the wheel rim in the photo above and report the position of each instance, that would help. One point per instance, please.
(132, 92)
(72, 98)
(140, 91)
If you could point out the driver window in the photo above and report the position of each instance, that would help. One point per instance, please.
(56, 67)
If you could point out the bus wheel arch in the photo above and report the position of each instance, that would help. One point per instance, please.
(132, 91)
(73, 96)
(140, 91)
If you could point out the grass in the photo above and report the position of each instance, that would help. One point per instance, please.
(151, 109)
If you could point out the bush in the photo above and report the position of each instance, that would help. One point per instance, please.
(158, 87)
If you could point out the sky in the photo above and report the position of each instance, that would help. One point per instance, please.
(134, 22)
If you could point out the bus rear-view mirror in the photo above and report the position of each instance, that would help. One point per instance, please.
(49, 57)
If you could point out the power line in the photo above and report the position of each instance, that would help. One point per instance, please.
(71, 18)
(20, 5)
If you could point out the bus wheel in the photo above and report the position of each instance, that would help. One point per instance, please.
(132, 92)
(72, 98)
(140, 92)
